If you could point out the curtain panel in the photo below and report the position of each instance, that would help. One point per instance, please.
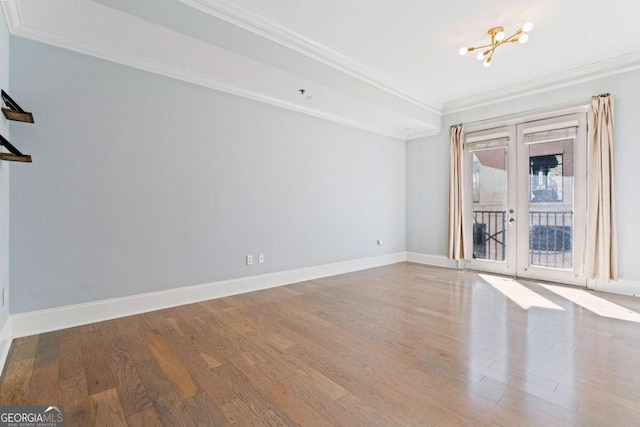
(456, 241)
(601, 253)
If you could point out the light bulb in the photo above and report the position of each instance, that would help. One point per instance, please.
(527, 27)
(500, 36)
(487, 62)
(480, 56)
(523, 38)
(463, 51)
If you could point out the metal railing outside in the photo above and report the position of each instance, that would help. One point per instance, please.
(550, 237)
(489, 235)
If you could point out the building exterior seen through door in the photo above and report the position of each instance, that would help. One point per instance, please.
(525, 206)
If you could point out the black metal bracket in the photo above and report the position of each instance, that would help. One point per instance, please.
(14, 111)
(14, 154)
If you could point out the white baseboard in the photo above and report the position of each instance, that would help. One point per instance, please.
(437, 260)
(36, 322)
(5, 343)
(623, 287)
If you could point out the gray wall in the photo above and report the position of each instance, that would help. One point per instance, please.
(4, 172)
(141, 183)
(428, 166)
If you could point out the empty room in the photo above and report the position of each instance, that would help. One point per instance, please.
(319, 213)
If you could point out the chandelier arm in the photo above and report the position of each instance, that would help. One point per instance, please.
(509, 39)
(479, 47)
(489, 58)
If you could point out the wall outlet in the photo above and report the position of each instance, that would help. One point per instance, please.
(249, 259)
(4, 296)
(379, 242)
(261, 259)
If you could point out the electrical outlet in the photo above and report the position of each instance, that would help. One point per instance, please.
(249, 259)
(4, 298)
(261, 259)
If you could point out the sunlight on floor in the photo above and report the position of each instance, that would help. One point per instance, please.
(593, 303)
(518, 293)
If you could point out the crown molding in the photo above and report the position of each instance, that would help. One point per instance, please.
(264, 27)
(619, 65)
(19, 28)
(12, 14)
(422, 134)
(251, 21)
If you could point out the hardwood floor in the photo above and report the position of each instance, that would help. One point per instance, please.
(398, 345)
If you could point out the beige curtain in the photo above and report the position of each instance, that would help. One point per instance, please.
(601, 253)
(456, 243)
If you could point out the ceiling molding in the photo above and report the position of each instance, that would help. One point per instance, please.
(174, 73)
(12, 13)
(19, 28)
(264, 27)
(619, 65)
(423, 134)
(257, 24)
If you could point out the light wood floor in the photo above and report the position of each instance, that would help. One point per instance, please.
(397, 345)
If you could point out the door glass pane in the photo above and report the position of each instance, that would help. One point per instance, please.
(489, 182)
(551, 204)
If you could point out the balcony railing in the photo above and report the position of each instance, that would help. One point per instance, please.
(489, 235)
(550, 237)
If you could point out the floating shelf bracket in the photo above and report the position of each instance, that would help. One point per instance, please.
(15, 155)
(13, 110)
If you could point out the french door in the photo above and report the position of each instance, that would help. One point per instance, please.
(525, 206)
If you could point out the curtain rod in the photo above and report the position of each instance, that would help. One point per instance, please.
(526, 113)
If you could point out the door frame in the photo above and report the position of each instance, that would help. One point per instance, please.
(579, 150)
(508, 267)
(517, 259)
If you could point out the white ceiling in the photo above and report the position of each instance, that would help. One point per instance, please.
(389, 67)
(415, 43)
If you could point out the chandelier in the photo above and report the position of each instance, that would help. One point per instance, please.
(498, 38)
